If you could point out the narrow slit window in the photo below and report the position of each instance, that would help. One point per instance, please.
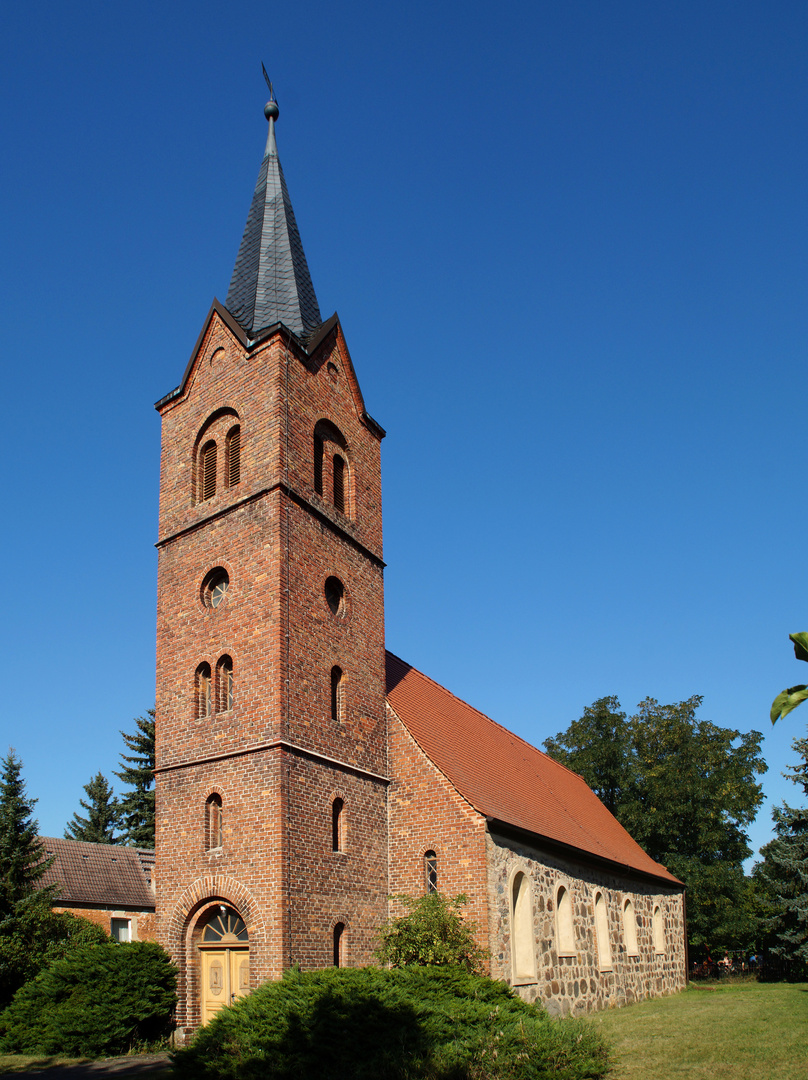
(203, 704)
(431, 871)
(234, 457)
(339, 483)
(339, 945)
(213, 822)
(659, 930)
(224, 684)
(337, 813)
(565, 930)
(602, 933)
(630, 929)
(318, 464)
(207, 469)
(523, 953)
(336, 694)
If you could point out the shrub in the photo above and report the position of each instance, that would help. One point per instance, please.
(33, 936)
(433, 932)
(414, 1023)
(101, 999)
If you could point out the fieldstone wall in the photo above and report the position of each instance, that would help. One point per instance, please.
(576, 984)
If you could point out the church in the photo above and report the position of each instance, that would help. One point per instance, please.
(305, 776)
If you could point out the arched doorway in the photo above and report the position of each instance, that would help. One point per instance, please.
(224, 955)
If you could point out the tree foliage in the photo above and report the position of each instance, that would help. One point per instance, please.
(783, 873)
(432, 932)
(101, 999)
(789, 699)
(686, 790)
(102, 814)
(137, 772)
(22, 857)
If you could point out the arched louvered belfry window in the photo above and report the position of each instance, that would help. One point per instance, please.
(202, 690)
(431, 871)
(337, 825)
(339, 483)
(213, 822)
(602, 933)
(233, 447)
(224, 684)
(207, 471)
(523, 959)
(339, 945)
(337, 694)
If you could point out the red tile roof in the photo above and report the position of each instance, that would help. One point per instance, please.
(504, 777)
(101, 875)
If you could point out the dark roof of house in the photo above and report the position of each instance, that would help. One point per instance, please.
(271, 281)
(505, 778)
(103, 875)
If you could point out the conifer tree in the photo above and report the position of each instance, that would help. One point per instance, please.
(137, 772)
(22, 855)
(102, 814)
(784, 872)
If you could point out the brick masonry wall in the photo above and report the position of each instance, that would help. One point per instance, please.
(576, 984)
(143, 924)
(427, 813)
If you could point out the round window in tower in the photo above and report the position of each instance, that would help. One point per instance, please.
(335, 595)
(215, 587)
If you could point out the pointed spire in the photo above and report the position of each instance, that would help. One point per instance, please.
(271, 281)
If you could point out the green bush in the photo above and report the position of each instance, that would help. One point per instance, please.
(414, 1023)
(100, 1000)
(433, 932)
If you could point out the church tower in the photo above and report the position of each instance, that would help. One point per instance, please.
(271, 781)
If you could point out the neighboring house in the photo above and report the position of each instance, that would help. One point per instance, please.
(109, 885)
(304, 775)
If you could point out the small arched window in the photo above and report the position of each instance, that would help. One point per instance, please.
(233, 448)
(337, 815)
(337, 694)
(202, 690)
(630, 928)
(213, 822)
(602, 933)
(339, 945)
(523, 955)
(224, 684)
(339, 483)
(431, 871)
(659, 930)
(565, 931)
(318, 464)
(207, 471)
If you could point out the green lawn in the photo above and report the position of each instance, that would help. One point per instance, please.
(737, 1031)
(23, 1063)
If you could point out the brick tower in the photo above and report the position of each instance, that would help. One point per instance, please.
(271, 755)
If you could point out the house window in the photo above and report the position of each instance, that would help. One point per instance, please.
(602, 933)
(431, 871)
(339, 483)
(203, 702)
(565, 933)
(337, 808)
(523, 959)
(337, 693)
(120, 929)
(659, 930)
(213, 822)
(207, 471)
(233, 447)
(224, 685)
(630, 928)
(339, 945)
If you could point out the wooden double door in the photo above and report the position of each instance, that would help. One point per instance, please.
(225, 978)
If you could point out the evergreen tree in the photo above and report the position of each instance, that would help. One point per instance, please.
(22, 856)
(784, 872)
(102, 814)
(137, 772)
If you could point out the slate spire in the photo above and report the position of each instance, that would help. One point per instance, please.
(271, 281)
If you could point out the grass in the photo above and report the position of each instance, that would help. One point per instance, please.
(23, 1063)
(730, 1031)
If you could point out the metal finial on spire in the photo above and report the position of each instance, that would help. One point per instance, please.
(271, 110)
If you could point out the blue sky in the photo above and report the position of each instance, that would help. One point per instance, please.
(567, 243)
